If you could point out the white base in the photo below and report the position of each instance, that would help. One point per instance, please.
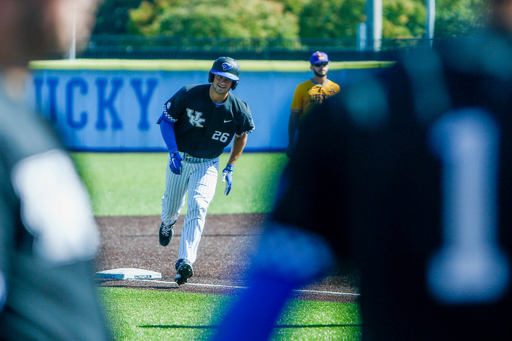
(128, 273)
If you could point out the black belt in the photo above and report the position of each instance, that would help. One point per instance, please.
(189, 158)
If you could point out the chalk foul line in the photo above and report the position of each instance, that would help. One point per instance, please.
(319, 292)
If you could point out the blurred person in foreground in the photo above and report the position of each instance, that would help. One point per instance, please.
(411, 184)
(48, 236)
(308, 94)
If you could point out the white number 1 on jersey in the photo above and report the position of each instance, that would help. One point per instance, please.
(470, 267)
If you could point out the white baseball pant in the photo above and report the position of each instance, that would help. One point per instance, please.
(198, 178)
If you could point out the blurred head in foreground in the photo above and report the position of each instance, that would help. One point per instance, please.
(31, 28)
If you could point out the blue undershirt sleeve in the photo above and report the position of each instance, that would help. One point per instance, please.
(253, 316)
(167, 130)
(285, 261)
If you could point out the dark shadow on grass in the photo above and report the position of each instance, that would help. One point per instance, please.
(276, 327)
(204, 235)
(114, 283)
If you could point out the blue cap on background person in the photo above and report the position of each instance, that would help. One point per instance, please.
(318, 57)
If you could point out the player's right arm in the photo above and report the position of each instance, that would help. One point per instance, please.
(167, 130)
(167, 121)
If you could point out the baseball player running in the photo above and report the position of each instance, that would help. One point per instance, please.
(308, 94)
(197, 123)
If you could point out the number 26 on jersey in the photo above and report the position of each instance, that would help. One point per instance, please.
(220, 136)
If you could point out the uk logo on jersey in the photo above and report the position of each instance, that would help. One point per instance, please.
(195, 118)
(226, 66)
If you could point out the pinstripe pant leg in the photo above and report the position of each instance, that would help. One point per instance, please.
(175, 190)
(203, 181)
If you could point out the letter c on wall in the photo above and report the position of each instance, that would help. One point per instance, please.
(70, 86)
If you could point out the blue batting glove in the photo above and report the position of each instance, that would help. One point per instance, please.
(175, 163)
(227, 176)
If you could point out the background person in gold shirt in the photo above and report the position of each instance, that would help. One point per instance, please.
(309, 93)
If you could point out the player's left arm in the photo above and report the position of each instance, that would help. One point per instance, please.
(239, 143)
(244, 127)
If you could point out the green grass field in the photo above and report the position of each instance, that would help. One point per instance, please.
(160, 315)
(122, 184)
(131, 184)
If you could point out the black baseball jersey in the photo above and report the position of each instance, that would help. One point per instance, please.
(202, 128)
(408, 174)
(49, 293)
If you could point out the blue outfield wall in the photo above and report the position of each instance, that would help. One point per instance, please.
(117, 110)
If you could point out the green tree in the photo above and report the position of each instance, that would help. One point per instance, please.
(296, 18)
(339, 18)
(113, 16)
(455, 18)
(214, 18)
(294, 6)
(403, 18)
(331, 19)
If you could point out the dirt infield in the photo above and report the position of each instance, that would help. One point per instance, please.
(132, 242)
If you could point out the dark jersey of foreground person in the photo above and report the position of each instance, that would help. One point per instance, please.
(48, 236)
(408, 175)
